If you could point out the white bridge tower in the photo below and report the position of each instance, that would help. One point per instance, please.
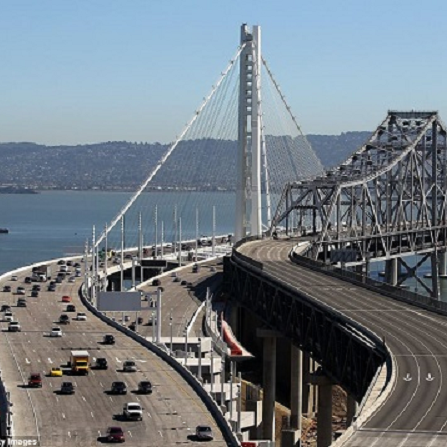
(248, 186)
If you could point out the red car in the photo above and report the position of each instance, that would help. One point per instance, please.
(35, 380)
(66, 299)
(115, 434)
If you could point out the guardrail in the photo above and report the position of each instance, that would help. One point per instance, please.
(5, 406)
(383, 288)
(206, 398)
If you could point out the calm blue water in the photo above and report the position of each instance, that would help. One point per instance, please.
(48, 225)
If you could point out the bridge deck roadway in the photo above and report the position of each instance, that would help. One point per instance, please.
(171, 413)
(415, 413)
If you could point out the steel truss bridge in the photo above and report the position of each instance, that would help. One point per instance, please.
(387, 200)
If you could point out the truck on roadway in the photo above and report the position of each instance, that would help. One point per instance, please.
(80, 362)
(42, 272)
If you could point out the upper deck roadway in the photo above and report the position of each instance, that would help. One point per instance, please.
(415, 413)
(171, 413)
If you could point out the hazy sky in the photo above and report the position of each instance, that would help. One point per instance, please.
(99, 70)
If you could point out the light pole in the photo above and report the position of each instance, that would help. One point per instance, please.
(199, 373)
(153, 327)
(170, 328)
(186, 346)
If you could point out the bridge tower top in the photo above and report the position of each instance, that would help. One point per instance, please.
(248, 177)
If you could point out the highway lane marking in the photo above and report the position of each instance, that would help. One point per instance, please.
(51, 361)
(83, 398)
(118, 360)
(110, 397)
(99, 433)
(51, 385)
(91, 412)
(130, 433)
(63, 416)
(161, 434)
(57, 398)
(27, 361)
(69, 434)
(149, 414)
(101, 384)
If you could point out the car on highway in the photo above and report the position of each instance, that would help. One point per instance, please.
(76, 264)
(133, 411)
(177, 279)
(184, 283)
(14, 326)
(70, 308)
(8, 316)
(5, 308)
(55, 372)
(204, 433)
(59, 280)
(67, 388)
(56, 331)
(34, 294)
(101, 363)
(61, 262)
(115, 434)
(37, 287)
(69, 262)
(108, 339)
(195, 268)
(129, 366)
(212, 269)
(156, 282)
(28, 280)
(66, 299)
(144, 387)
(63, 268)
(21, 302)
(14, 278)
(72, 279)
(78, 274)
(52, 288)
(35, 380)
(20, 291)
(6, 288)
(118, 388)
(64, 319)
(81, 316)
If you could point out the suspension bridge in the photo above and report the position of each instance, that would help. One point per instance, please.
(305, 291)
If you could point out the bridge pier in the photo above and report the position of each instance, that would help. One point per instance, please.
(309, 390)
(292, 436)
(324, 410)
(351, 410)
(391, 271)
(268, 382)
(443, 264)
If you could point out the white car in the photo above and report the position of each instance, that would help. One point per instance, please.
(133, 411)
(14, 326)
(72, 279)
(14, 278)
(56, 332)
(8, 316)
(81, 316)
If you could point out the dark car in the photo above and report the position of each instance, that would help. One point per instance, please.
(6, 288)
(36, 287)
(52, 288)
(34, 294)
(64, 319)
(184, 283)
(61, 262)
(145, 387)
(69, 263)
(67, 388)
(177, 279)
(21, 302)
(118, 388)
(28, 280)
(101, 363)
(71, 308)
(156, 282)
(195, 268)
(35, 380)
(5, 307)
(109, 340)
(115, 434)
(77, 264)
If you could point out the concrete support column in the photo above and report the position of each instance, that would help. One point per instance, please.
(292, 437)
(268, 383)
(442, 264)
(307, 391)
(391, 271)
(324, 410)
(351, 409)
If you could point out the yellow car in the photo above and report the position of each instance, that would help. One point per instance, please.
(55, 372)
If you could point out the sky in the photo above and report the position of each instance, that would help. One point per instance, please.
(75, 72)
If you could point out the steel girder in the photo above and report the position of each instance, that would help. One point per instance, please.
(388, 196)
(347, 354)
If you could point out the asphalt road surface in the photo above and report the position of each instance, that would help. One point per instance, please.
(170, 414)
(415, 414)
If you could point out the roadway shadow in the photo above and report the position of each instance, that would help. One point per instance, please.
(194, 438)
(102, 440)
(119, 418)
(111, 393)
(59, 393)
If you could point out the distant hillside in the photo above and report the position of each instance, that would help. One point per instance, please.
(121, 165)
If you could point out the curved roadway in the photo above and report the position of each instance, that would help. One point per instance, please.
(171, 413)
(415, 413)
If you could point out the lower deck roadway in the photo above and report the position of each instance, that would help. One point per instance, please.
(171, 413)
(415, 413)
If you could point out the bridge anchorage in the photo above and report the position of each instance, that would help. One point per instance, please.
(385, 202)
